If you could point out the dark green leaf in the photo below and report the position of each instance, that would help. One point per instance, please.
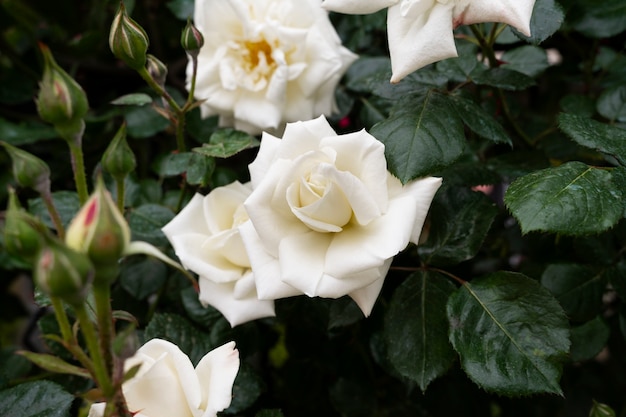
(572, 199)
(510, 333)
(13, 366)
(599, 19)
(422, 135)
(200, 169)
(182, 9)
(227, 142)
(66, 203)
(578, 288)
(589, 339)
(578, 105)
(479, 121)
(144, 122)
(546, 19)
(528, 59)
(595, 135)
(36, 399)
(601, 410)
(460, 68)
(178, 330)
(146, 222)
(135, 99)
(54, 364)
(460, 219)
(343, 312)
(203, 316)
(141, 277)
(269, 413)
(25, 132)
(416, 328)
(247, 388)
(612, 103)
(506, 79)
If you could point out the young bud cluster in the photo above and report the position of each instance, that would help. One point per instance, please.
(127, 40)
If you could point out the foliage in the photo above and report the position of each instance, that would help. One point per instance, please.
(512, 304)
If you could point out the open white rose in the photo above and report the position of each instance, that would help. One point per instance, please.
(167, 384)
(420, 31)
(267, 62)
(205, 236)
(326, 215)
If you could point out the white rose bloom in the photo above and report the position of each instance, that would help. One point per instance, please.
(267, 62)
(205, 236)
(167, 384)
(420, 31)
(326, 215)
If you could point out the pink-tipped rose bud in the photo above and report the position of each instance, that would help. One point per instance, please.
(127, 40)
(99, 229)
(28, 170)
(191, 39)
(61, 100)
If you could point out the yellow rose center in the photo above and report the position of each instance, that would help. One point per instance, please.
(257, 51)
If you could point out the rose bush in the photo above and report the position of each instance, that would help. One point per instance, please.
(167, 384)
(205, 236)
(267, 62)
(420, 31)
(326, 215)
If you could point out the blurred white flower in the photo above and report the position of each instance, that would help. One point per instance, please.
(167, 384)
(267, 62)
(420, 31)
(326, 217)
(205, 236)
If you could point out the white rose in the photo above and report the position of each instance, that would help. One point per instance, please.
(267, 62)
(205, 236)
(326, 215)
(420, 31)
(167, 384)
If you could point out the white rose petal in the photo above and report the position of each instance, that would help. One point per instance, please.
(205, 236)
(267, 62)
(326, 217)
(168, 385)
(420, 31)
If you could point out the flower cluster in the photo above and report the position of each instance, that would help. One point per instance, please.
(321, 216)
(267, 62)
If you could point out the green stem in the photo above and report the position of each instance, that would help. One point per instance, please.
(78, 164)
(485, 46)
(61, 316)
(510, 119)
(121, 189)
(158, 89)
(102, 296)
(91, 338)
(54, 214)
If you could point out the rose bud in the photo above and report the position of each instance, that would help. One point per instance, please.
(118, 159)
(156, 69)
(62, 272)
(61, 100)
(99, 229)
(21, 238)
(191, 39)
(28, 170)
(127, 40)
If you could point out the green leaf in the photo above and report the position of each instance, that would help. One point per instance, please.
(180, 331)
(479, 121)
(13, 366)
(547, 18)
(578, 288)
(25, 132)
(416, 328)
(572, 199)
(506, 79)
(247, 388)
(578, 104)
(595, 135)
(227, 142)
(54, 364)
(423, 134)
(36, 399)
(66, 203)
(510, 333)
(135, 99)
(527, 59)
(146, 222)
(200, 169)
(202, 316)
(460, 68)
(599, 19)
(144, 122)
(274, 412)
(141, 277)
(589, 339)
(601, 410)
(182, 9)
(612, 103)
(460, 219)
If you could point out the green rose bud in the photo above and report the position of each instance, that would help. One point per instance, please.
(21, 238)
(62, 272)
(156, 69)
(99, 229)
(191, 39)
(118, 159)
(28, 170)
(61, 100)
(127, 40)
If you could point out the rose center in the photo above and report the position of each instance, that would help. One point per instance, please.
(257, 52)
